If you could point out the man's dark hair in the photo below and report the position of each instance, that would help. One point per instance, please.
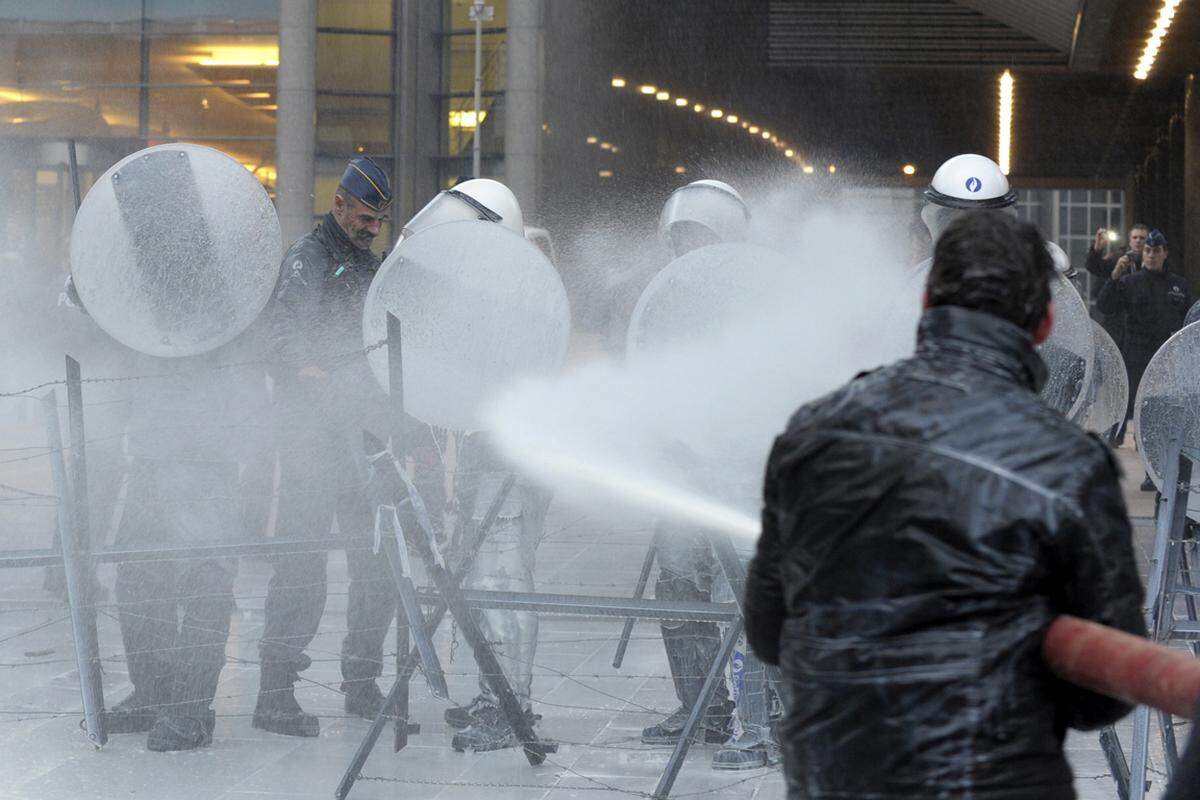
(992, 262)
(1141, 225)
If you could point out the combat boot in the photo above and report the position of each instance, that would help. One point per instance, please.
(489, 731)
(715, 726)
(137, 712)
(751, 748)
(461, 717)
(277, 710)
(177, 732)
(362, 698)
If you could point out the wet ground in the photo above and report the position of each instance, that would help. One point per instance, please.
(594, 711)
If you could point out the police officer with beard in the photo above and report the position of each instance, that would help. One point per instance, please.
(324, 399)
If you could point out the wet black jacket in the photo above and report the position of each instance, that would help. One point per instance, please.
(922, 525)
(1154, 305)
(316, 313)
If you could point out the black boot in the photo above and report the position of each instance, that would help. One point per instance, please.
(715, 727)
(277, 710)
(137, 712)
(489, 731)
(180, 732)
(363, 698)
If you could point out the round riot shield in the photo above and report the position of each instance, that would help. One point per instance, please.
(175, 250)
(702, 291)
(1167, 410)
(1069, 352)
(479, 307)
(1108, 395)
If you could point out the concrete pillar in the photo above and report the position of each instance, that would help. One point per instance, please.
(418, 108)
(296, 118)
(523, 105)
(1191, 182)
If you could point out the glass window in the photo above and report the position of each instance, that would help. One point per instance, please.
(349, 125)
(361, 14)
(458, 114)
(354, 62)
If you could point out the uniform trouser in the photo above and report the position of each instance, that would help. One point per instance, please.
(176, 658)
(505, 562)
(688, 570)
(308, 501)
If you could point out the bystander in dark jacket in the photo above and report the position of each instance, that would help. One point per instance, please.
(1154, 303)
(922, 526)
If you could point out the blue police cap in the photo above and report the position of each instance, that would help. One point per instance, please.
(366, 181)
(1156, 239)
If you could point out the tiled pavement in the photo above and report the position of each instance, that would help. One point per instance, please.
(594, 710)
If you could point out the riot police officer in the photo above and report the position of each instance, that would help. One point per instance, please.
(324, 399)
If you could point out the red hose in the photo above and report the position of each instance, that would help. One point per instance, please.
(1130, 668)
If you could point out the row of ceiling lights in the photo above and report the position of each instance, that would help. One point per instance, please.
(662, 95)
(714, 113)
(1166, 14)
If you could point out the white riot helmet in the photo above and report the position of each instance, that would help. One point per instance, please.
(1062, 263)
(703, 212)
(478, 198)
(968, 182)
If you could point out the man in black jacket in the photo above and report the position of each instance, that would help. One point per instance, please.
(324, 395)
(1153, 302)
(922, 526)
(1100, 264)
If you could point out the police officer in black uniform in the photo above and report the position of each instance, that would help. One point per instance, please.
(1154, 303)
(325, 398)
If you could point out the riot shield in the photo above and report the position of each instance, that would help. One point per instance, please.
(479, 308)
(703, 291)
(1108, 393)
(1070, 351)
(175, 250)
(1168, 402)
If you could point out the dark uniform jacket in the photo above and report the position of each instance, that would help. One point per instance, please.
(1154, 305)
(922, 526)
(316, 321)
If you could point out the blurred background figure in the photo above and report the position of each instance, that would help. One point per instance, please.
(1152, 301)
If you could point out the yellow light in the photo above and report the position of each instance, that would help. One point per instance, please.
(648, 89)
(605, 173)
(717, 113)
(832, 168)
(754, 129)
(592, 140)
(1004, 154)
(698, 107)
(680, 170)
(808, 169)
(360, 149)
(766, 134)
(466, 119)
(789, 153)
(606, 146)
(263, 55)
(732, 119)
(272, 107)
(909, 169)
(256, 95)
(662, 96)
(745, 124)
(615, 149)
(18, 120)
(1166, 14)
(681, 101)
(618, 83)
(1113, 236)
